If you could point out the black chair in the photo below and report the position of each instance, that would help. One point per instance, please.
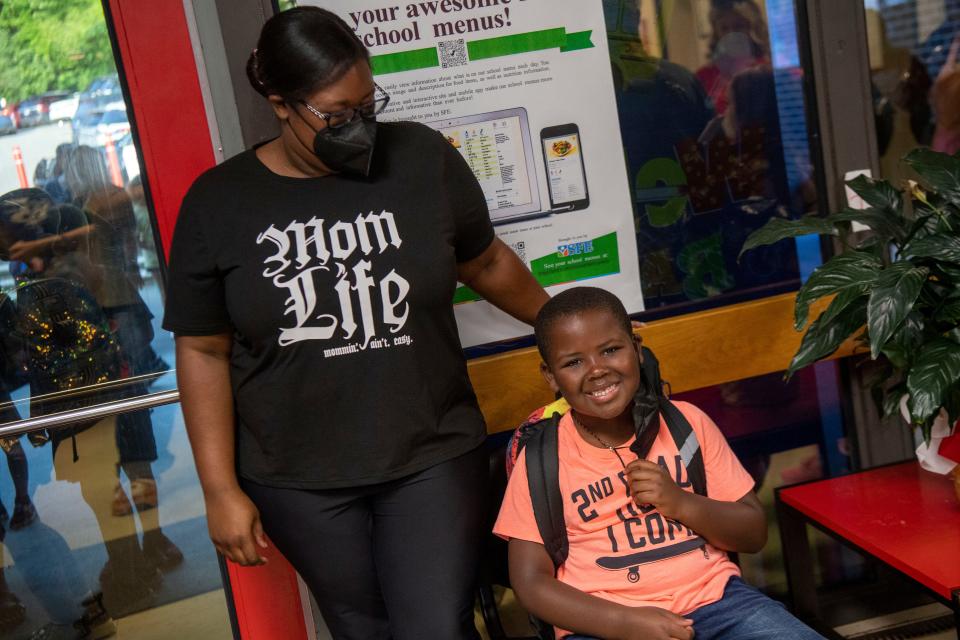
(494, 568)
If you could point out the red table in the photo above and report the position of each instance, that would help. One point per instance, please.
(901, 515)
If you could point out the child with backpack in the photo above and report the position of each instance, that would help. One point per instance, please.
(620, 512)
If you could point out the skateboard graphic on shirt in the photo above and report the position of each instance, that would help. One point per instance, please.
(634, 560)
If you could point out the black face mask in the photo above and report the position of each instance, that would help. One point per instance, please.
(348, 149)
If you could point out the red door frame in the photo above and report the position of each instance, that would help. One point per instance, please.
(155, 57)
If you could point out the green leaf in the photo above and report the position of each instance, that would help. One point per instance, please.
(939, 170)
(889, 226)
(935, 370)
(938, 247)
(891, 399)
(778, 229)
(869, 244)
(823, 338)
(896, 355)
(891, 300)
(843, 300)
(850, 273)
(950, 271)
(949, 312)
(879, 194)
(904, 343)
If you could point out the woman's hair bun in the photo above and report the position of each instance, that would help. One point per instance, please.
(302, 50)
(253, 74)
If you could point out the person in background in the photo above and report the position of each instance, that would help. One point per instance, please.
(322, 378)
(738, 41)
(114, 249)
(12, 611)
(902, 99)
(145, 241)
(64, 344)
(946, 103)
(56, 184)
(11, 378)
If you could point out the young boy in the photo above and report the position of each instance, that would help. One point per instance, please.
(616, 505)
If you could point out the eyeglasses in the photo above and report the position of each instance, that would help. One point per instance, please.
(367, 111)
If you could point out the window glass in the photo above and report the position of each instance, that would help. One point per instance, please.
(716, 139)
(711, 104)
(102, 526)
(80, 271)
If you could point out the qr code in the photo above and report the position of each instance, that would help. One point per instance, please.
(520, 248)
(453, 53)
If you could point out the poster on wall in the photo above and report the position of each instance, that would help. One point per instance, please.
(523, 89)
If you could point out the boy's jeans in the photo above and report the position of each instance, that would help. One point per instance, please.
(743, 614)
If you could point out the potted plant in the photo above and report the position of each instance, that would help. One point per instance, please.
(897, 291)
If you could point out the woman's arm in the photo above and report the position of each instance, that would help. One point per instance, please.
(499, 276)
(24, 250)
(532, 578)
(203, 376)
(733, 526)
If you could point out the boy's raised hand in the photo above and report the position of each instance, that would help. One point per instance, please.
(653, 623)
(650, 483)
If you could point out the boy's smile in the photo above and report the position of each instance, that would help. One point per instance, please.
(593, 362)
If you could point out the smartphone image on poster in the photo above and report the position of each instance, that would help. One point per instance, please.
(566, 176)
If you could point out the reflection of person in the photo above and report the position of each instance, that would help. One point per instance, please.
(12, 611)
(903, 83)
(113, 246)
(738, 41)
(934, 51)
(148, 250)
(751, 124)
(67, 345)
(657, 113)
(946, 103)
(24, 512)
(56, 184)
(310, 292)
(591, 357)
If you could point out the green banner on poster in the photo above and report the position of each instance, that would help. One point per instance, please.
(579, 261)
(405, 61)
(487, 48)
(571, 262)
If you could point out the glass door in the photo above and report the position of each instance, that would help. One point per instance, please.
(102, 521)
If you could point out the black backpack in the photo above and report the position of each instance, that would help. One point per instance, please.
(537, 438)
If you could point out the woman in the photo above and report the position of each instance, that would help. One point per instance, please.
(738, 41)
(946, 103)
(323, 384)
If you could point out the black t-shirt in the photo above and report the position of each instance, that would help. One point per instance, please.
(346, 368)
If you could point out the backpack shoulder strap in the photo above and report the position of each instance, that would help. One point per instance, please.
(686, 440)
(530, 426)
(543, 479)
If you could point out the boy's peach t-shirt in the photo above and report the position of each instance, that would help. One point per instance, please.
(619, 551)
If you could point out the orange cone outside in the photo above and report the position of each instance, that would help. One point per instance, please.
(21, 169)
(113, 162)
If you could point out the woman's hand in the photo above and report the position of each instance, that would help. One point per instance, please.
(651, 484)
(24, 250)
(502, 279)
(653, 623)
(235, 529)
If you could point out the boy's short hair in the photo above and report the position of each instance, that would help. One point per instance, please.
(574, 302)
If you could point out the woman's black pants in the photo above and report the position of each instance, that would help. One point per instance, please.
(396, 560)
